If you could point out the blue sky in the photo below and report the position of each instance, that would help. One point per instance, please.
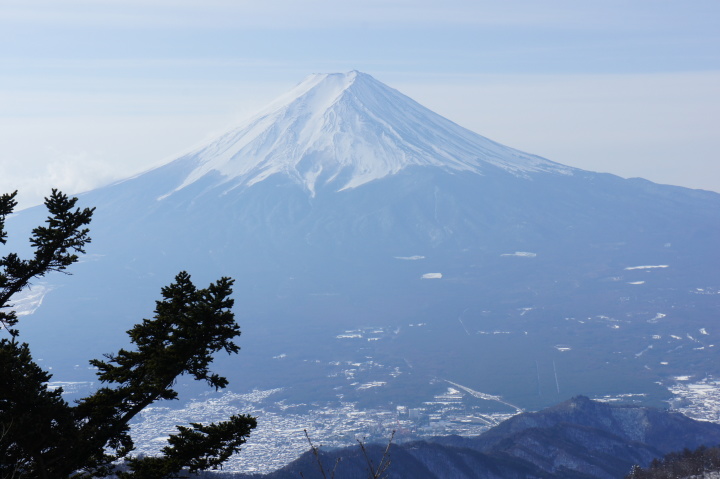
(93, 91)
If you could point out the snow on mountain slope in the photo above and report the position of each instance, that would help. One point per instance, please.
(347, 129)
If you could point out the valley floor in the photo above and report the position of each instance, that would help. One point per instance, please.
(280, 437)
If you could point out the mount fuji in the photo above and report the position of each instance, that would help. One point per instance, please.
(364, 229)
(346, 130)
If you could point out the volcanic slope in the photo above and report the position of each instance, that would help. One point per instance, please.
(362, 228)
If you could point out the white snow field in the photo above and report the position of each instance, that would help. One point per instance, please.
(326, 130)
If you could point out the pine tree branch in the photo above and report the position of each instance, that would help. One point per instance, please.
(55, 247)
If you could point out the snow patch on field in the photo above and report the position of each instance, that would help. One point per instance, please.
(29, 300)
(657, 317)
(647, 267)
(637, 355)
(624, 398)
(70, 387)
(371, 384)
(432, 276)
(699, 400)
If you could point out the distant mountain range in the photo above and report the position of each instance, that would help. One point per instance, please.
(578, 438)
(363, 228)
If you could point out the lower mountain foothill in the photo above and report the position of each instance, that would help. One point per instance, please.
(579, 438)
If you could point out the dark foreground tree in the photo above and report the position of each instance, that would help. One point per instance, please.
(702, 462)
(42, 436)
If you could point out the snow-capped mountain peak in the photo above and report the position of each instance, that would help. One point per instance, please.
(347, 129)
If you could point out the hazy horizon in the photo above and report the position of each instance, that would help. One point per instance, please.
(96, 92)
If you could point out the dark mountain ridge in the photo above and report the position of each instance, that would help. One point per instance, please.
(578, 438)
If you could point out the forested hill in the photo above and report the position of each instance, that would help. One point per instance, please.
(578, 438)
